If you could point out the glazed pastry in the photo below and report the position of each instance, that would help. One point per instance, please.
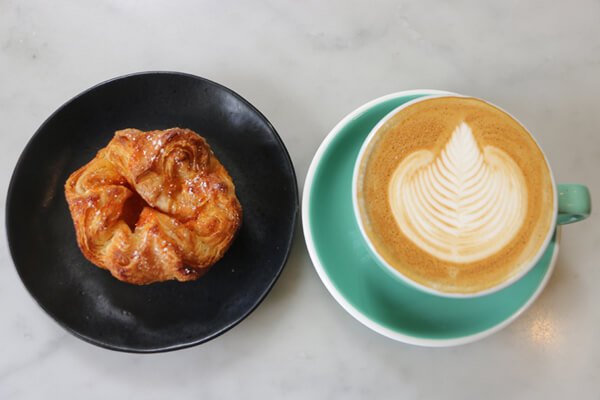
(154, 206)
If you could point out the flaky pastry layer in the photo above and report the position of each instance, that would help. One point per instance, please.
(154, 206)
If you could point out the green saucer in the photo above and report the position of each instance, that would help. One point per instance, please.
(343, 263)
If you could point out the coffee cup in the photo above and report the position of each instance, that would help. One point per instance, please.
(454, 196)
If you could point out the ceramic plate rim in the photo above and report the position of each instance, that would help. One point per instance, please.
(362, 318)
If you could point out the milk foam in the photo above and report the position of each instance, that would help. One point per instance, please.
(461, 205)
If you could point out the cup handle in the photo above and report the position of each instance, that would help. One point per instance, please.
(574, 203)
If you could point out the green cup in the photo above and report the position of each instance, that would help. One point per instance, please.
(571, 204)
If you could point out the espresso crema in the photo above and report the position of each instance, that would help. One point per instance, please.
(455, 194)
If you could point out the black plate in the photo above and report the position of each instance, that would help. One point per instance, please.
(87, 300)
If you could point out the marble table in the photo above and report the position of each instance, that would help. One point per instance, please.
(305, 65)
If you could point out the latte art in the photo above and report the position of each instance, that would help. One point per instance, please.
(454, 194)
(461, 205)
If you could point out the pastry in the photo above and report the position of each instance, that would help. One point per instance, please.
(154, 206)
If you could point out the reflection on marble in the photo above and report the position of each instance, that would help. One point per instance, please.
(305, 65)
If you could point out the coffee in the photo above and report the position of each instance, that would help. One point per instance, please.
(455, 194)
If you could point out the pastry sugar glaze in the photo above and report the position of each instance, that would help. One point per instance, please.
(455, 194)
(154, 206)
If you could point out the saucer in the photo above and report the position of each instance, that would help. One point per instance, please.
(344, 264)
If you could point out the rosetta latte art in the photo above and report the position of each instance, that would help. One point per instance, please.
(461, 205)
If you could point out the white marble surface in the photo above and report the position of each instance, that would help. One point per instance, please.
(305, 65)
